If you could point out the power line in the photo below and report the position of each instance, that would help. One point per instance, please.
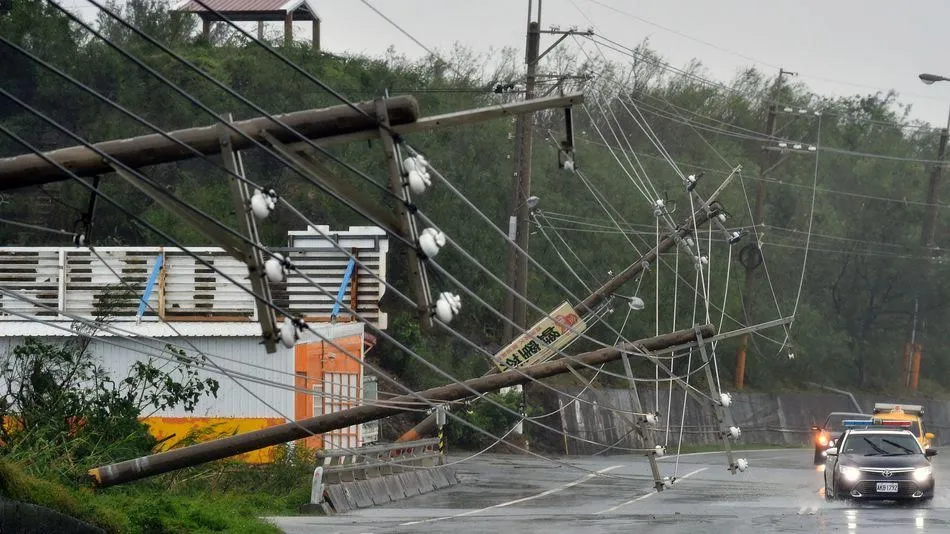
(37, 227)
(257, 297)
(239, 97)
(626, 50)
(218, 83)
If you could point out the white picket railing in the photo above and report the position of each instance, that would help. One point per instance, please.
(76, 281)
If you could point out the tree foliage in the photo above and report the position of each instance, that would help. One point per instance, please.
(61, 409)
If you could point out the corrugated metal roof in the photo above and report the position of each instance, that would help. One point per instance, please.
(245, 6)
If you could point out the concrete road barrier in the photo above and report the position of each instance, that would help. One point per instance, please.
(346, 480)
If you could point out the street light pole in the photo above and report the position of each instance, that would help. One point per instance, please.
(928, 232)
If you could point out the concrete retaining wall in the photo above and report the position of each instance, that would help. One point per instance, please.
(24, 518)
(776, 419)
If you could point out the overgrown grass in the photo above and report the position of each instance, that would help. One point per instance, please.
(220, 497)
(17, 485)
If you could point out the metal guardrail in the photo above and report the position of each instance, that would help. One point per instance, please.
(347, 465)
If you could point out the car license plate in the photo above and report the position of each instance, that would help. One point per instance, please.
(887, 487)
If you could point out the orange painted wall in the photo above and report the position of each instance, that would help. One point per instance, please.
(311, 360)
(210, 428)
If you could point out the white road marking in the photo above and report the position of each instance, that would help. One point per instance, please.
(516, 501)
(672, 457)
(640, 498)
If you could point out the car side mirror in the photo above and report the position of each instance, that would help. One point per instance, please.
(930, 453)
(929, 435)
(833, 451)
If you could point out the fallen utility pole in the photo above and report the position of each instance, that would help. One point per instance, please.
(153, 149)
(702, 215)
(129, 470)
(333, 125)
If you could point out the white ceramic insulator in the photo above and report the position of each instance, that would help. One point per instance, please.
(447, 307)
(288, 333)
(419, 181)
(261, 205)
(431, 241)
(274, 269)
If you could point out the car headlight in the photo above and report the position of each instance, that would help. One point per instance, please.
(851, 474)
(922, 474)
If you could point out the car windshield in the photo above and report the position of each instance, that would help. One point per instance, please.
(835, 421)
(881, 445)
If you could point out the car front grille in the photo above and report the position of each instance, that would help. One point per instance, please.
(896, 476)
(905, 488)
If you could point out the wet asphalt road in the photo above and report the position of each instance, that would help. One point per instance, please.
(780, 492)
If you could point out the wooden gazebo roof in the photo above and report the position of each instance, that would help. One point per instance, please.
(252, 10)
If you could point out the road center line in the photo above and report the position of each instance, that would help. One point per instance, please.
(640, 498)
(516, 501)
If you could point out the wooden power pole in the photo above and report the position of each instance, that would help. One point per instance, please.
(217, 449)
(928, 230)
(770, 159)
(514, 308)
(930, 222)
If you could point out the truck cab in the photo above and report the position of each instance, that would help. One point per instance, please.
(899, 415)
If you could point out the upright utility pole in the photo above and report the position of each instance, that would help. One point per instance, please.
(515, 309)
(519, 212)
(928, 230)
(930, 222)
(769, 160)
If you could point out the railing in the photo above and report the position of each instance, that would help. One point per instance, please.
(111, 282)
(348, 465)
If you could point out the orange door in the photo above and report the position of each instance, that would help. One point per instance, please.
(334, 379)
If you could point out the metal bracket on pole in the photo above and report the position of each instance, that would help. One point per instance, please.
(232, 245)
(84, 234)
(199, 222)
(649, 441)
(565, 153)
(418, 275)
(310, 166)
(253, 256)
(707, 204)
(722, 412)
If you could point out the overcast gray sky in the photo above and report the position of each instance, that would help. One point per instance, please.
(838, 47)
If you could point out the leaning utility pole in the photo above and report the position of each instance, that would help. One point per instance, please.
(769, 161)
(703, 213)
(164, 462)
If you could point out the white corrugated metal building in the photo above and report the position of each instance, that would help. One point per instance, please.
(192, 307)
